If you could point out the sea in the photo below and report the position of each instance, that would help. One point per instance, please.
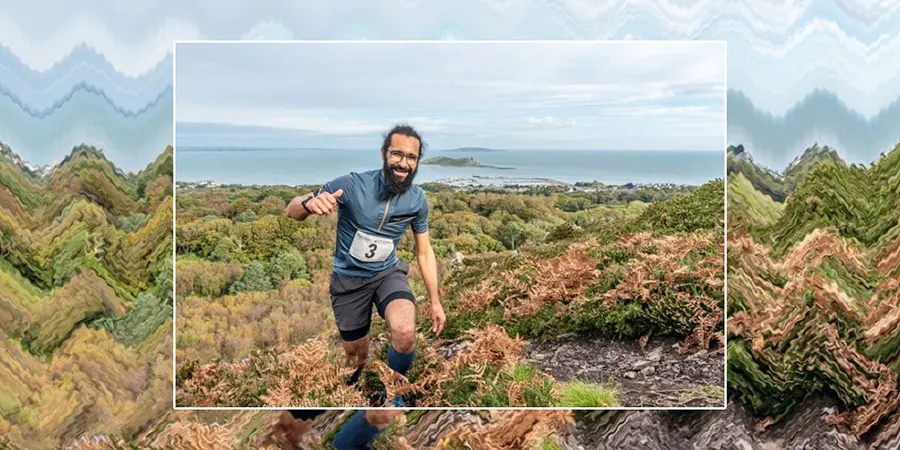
(293, 167)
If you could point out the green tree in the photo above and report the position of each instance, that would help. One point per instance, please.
(240, 205)
(288, 265)
(272, 205)
(247, 216)
(254, 279)
(512, 234)
(226, 250)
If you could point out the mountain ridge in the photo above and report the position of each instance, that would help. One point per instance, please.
(779, 184)
(774, 138)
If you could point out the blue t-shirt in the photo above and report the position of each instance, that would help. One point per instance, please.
(370, 225)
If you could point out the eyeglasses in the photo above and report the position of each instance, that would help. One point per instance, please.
(397, 155)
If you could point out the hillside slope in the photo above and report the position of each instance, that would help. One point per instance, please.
(813, 304)
(85, 298)
(514, 267)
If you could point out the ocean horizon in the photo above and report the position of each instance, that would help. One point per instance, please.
(311, 166)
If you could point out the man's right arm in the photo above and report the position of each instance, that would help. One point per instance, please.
(325, 202)
(322, 204)
(295, 209)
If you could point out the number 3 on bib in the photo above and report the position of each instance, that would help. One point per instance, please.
(368, 248)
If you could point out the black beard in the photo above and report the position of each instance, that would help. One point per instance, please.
(394, 186)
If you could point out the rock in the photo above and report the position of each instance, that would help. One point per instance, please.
(572, 442)
(655, 355)
(642, 364)
(698, 355)
(647, 371)
(557, 352)
(630, 375)
(457, 260)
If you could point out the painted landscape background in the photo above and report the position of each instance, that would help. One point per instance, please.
(103, 77)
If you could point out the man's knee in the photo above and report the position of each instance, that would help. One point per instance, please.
(357, 351)
(362, 353)
(403, 337)
(357, 356)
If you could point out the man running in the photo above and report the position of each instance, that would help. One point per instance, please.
(375, 209)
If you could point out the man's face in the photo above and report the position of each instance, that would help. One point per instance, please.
(402, 156)
(401, 160)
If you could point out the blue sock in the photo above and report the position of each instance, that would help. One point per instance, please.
(400, 362)
(356, 434)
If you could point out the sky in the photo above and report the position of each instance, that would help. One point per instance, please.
(99, 71)
(617, 95)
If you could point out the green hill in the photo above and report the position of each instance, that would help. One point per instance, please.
(534, 265)
(774, 184)
(806, 163)
(452, 162)
(85, 298)
(813, 294)
(763, 180)
(748, 208)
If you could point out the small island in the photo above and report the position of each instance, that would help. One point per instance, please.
(452, 162)
(459, 162)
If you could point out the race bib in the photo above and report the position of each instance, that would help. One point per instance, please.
(368, 248)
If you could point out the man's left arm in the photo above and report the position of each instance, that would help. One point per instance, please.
(428, 266)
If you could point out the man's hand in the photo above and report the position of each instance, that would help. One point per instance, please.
(437, 318)
(324, 203)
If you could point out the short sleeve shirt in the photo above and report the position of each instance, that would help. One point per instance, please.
(370, 224)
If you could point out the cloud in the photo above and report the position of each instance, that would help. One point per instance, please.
(507, 89)
(130, 57)
(268, 30)
(311, 121)
(551, 121)
(801, 44)
(409, 75)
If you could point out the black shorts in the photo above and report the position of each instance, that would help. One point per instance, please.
(352, 298)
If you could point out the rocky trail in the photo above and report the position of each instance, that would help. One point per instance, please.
(655, 376)
(733, 428)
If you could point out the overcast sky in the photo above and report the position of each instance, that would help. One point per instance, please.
(617, 95)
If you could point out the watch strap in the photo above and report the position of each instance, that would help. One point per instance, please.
(303, 203)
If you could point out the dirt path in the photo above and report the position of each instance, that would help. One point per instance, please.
(657, 376)
(734, 428)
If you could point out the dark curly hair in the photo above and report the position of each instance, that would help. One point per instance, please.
(403, 130)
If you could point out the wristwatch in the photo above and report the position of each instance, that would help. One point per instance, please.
(303, 203)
